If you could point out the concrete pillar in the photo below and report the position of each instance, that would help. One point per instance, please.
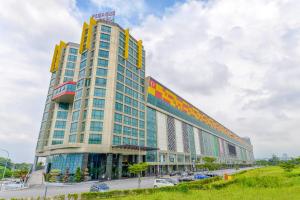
(85, 158)
(35, 163)
(108, 168)
(120, 166)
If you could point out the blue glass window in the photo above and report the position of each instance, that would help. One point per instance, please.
(99, 92)
(101, 72)
(95, 139)
(72, 58)
(69, 72)
(116, 140)
(73, 51)
(119, 107)
(104, 36)
(58, 134)
(70, 65)
(97, 114)
(119, 96)
(96, 126)
(120, 87)
(100, 82)
(118, 117)
(105, 29)
(62, 115)
(104, 45)
(60, 124)
(103, 53)
(98, 103)
(55, 142)
(117, 128)
(102, 62)
(63, 106)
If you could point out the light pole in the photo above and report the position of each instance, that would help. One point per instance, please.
(5, 162)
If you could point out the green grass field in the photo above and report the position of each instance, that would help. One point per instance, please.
(263, 183)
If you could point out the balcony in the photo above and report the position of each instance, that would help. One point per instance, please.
(64, 93)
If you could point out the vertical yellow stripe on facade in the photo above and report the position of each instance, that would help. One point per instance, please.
(54, 59)
(140, 54)
(93, 22)
(83, 33)
(62, 45)
(127, 36)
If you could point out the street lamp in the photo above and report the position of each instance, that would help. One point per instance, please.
(5, 162)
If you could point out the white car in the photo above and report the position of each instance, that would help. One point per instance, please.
(161, 183)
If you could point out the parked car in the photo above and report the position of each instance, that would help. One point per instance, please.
(190, 173)
(171, 180)
(183, 174)
(200, 176)
(161, 183)
(99, 187)
(210, 174)
(185, 179)
(173, 173)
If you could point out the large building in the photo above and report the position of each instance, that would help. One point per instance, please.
(103, 114)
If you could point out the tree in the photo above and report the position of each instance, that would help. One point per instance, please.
(20, 173)
(274, 160)
(3, 162)
(287, 166)
(137, 169)
(7, 172)
(209, 163)
(78, 175)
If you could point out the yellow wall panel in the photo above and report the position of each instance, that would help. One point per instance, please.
(93, 22)
(62, 45)
(54, 59)
(127, 36)
(140, 54)
(83, 33)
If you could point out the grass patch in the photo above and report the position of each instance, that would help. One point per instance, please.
(269, 183)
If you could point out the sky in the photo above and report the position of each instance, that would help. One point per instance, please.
(236, 60)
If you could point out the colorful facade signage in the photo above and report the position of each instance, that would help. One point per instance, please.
(161, 92)
(107, 16)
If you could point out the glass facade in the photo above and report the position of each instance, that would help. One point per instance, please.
(129, 117)
(151, 135)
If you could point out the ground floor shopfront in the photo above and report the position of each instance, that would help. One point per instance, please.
(108, 166)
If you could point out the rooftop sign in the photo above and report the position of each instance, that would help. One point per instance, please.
(107, 16)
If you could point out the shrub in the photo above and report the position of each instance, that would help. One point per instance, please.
(287, 166)
(182, 187)
(54, 173)
(78, 175)
(263, 181)
(72, 196)
(59, 197)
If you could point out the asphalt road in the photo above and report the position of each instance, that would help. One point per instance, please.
(147, 182)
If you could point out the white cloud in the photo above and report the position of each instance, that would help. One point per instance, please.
(29, 31)
(236, 60)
